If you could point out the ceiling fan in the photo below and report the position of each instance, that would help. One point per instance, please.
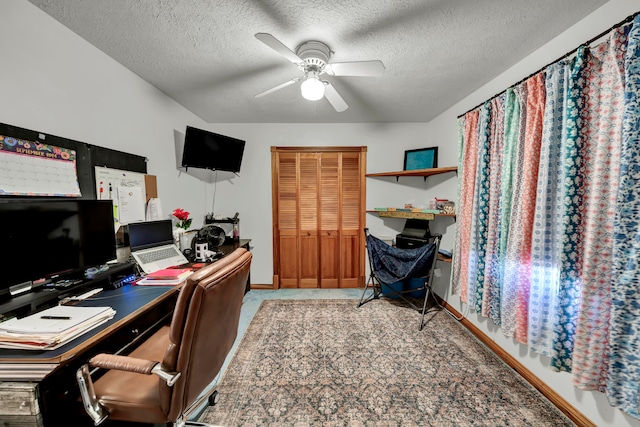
(312, 58)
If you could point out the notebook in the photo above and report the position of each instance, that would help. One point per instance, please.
(153, 247)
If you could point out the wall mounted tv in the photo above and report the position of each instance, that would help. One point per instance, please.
(47, 239)
(208, 150)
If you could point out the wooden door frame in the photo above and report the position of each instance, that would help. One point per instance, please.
(274, 200)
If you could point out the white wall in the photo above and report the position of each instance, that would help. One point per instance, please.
(54, 82)
(594, 405)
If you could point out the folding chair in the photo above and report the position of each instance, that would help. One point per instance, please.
(390, 265)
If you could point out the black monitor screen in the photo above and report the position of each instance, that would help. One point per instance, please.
(46, 238)
(208, 150)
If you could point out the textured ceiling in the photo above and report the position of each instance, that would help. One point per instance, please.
(203, 53)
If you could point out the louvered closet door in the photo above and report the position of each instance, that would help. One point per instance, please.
(329, 220)
(287, 219)
(308, 194)
(318, 211)
(351, 230)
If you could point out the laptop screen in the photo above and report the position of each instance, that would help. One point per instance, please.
(145, 235)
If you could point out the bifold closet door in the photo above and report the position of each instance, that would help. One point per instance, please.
(351, 221)
(286, 247)
(318, 210)
(308, 214)
(329, 220)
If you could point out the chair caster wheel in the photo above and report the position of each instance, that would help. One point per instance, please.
(213, 398)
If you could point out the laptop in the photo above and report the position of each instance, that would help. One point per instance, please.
(153, 247)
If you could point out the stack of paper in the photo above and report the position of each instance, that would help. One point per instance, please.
(52, 328)
(165, 277)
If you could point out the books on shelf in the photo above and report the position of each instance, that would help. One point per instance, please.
(51, 328)
(414, 210)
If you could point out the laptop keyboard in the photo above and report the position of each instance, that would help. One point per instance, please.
(158, 255)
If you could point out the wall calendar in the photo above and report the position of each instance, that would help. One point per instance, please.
(31, 168)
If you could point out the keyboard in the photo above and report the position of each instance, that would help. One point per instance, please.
(158, 255)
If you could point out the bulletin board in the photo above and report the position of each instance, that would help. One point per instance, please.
(107, 180)
(127, 191)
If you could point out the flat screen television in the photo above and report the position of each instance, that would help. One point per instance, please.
(45, 239)
(208, 150)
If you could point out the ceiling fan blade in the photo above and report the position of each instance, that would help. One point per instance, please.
(277, 45)
(359, 69)
(334, 98)
(283, 85)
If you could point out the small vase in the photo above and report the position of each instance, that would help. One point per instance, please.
(186, 238)
(177, 233)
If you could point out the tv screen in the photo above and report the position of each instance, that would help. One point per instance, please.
(208, 150)
(42, 239)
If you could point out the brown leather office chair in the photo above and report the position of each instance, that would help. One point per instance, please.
(162, 378)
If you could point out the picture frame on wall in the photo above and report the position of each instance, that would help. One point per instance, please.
(421, 158)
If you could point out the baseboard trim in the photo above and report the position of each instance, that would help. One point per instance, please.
(262, 287)
(568, 409)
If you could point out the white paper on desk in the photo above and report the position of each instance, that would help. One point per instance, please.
(154, 210)
(49, 342)
(35, 325)
(130, 205)
(158, 282)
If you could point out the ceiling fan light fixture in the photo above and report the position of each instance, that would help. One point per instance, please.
(312, 88)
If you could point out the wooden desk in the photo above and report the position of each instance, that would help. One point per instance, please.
(38, 388)
(226, 249)
(229, 247)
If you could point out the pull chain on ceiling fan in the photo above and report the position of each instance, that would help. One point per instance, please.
(312, 58)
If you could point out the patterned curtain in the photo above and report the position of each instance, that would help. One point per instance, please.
(481, 212)
(511, 134)
(624, 370)
(532, 141)
(546, 238)
(570, 284)
(602, 139)
(467, 167)
(491, 278)
(513, 234)
(548, 231)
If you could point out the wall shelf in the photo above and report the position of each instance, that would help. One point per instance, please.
(405, 214)
(418, 172)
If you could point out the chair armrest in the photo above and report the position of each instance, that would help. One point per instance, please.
(121, 363)
(133, 364)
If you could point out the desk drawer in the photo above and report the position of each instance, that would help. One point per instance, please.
(18, 399)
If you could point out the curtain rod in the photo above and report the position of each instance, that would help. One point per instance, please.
(605, 32)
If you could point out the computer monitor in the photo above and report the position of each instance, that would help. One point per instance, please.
(46, 239)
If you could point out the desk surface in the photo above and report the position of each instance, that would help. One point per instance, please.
(128, 302)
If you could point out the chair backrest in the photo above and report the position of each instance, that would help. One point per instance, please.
(204, 328)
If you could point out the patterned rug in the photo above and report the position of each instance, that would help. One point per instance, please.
(329, 363)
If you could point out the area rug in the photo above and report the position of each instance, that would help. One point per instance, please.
(330, 363)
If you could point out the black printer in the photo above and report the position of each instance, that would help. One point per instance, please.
(415, 234)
